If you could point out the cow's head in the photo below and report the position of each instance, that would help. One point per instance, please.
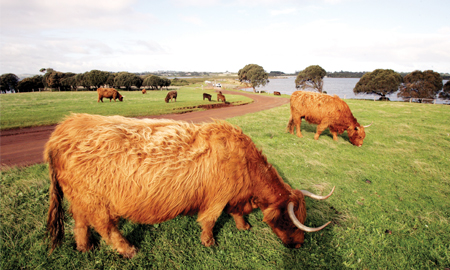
(356, 134)
(120, 97)
(287, 219)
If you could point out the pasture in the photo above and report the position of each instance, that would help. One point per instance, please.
(46, 108)
(390, 210)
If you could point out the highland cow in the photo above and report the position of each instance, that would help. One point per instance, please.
(149, 171)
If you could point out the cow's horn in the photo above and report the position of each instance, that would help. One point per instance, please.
(368, 125)
(298, 224)
(317, 197)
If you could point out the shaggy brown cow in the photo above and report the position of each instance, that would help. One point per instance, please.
(325, 111)
(276, 93)
(208, 96)
(221, 97)
(110, 93)
(171, 95)
(150, 171)
(144, 91)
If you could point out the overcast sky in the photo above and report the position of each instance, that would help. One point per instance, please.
(223, 35)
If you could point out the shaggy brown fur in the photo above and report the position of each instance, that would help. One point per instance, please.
(327, 112)
(110, 93)
(150, 171)
(144, 91)
(208, 96)
(276, 93)
(171, 95)
(221, 97)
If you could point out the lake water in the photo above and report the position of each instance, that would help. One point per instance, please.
(342, 87)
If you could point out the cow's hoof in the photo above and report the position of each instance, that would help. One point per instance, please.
(210, 242)
(130, 253)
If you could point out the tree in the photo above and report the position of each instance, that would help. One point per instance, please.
(30, 84)
(253, 75)
(8, 81)
(421, 85)
(68, 81)
(311, 77)
(166, 82)
(445, 94)
(81, 81)
(96, 78)
(381, 82)
(127, 80)
(152, 81)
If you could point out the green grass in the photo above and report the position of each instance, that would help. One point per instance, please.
(390, 209)
(46, 108)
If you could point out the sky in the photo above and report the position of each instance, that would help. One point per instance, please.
(223, 35)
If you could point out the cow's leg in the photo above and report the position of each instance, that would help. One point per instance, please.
(207, 220)
(107, 228)
(334, 132)
(320, 128)
(241, 224)
(82, 235)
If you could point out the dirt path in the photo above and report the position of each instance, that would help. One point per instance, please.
(24, 147)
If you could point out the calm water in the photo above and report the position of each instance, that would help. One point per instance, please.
(342, 87)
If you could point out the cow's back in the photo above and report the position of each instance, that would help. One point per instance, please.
(148, 170)
(315, 107)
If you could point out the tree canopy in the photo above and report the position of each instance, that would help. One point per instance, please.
(380, 81)
(96, 78)
(8, 81)
(422, 85)
(445, 94)
(30, 84)
(311, 77)
(127, 80)
(253, 75)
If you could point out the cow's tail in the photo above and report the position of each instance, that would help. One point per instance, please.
(55, 220)
(290, 124)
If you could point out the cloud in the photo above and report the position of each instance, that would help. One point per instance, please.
(55, 14)
(283, 11)
(193, 20)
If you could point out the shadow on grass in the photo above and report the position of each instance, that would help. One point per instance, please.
(317, 248)
(311, 128)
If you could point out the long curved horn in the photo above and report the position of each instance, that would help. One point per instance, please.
(298, 224)
(317, 197)
(368, 125)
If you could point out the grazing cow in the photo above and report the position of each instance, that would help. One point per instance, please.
(208, 96)
(144, 91)
(327, 112)
(276, 93)
(110, 93)
(171, 95)
(152, 170)
(221, 97)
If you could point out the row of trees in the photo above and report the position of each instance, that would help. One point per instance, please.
(71, 81)
(417, 84)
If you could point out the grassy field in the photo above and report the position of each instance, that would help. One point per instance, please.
(390, 210)
(46, 108)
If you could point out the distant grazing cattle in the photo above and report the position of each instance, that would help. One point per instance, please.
(221, 97)
(110, 93)
(327, 112)
(171, 95)
(276, 93)
(144, 91)
(208, 96)
(152, 170)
